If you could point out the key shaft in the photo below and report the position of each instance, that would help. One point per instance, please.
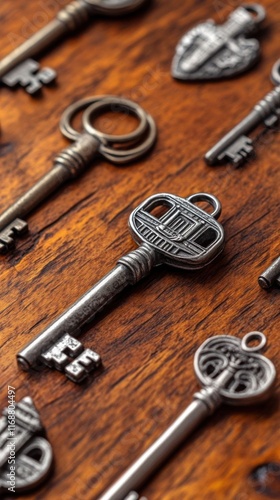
(130, 269)
(68, 165)
(68, 20)
(264, 109)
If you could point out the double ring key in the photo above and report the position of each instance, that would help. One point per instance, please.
(236, 146)
(271, 276)
(18, 69)
(230, 371)
(184, 236)
(71, 162)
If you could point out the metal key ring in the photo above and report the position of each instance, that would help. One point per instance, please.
(114, 7)
(210, 199)
(275, 73)
(115, 104)
(249, 337)
(120, 156)
(259, 13)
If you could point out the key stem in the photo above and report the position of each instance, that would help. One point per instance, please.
(68, 20)
(49, 183)
(164, 446)
(130, 269)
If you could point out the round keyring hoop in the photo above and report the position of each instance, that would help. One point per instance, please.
(118, 105)
(147, 127)
(210, 199)
(126, 156)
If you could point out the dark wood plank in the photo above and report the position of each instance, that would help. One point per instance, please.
(149, 335)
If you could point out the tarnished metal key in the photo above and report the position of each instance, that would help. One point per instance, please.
(230, 371)
(184, 236)
(18, 69)
(26, 456)
(236, 146)
(210, 51)
(71, 162)
(271, 276)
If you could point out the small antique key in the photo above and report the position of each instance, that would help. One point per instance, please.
(230, 371)
(26, 456)
(236, 146)
(185, 236)
(210, 52)
(71, 162)
(271, 276)
(18, 69)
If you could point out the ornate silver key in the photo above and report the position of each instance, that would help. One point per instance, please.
(71, 162)
(25, 454)
(18, 69)
(271, 276)
(185, 236)
(209, 51)
(230, 371)
(236, 146)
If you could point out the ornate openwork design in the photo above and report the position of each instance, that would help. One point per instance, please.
(240, 375)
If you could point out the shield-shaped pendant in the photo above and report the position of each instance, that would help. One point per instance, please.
(210, 51)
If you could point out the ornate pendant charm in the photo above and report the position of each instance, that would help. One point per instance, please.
(210, 51)
(25, 454)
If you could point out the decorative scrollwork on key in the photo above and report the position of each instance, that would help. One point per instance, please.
(248, 374)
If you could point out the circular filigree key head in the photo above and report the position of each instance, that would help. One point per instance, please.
(182, 234)
(235, 368)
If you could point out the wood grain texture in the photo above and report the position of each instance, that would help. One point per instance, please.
(148, 337)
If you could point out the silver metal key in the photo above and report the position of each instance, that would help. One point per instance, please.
(230, 371)
(23, 439)
(210, 51)
(18, 69)
(271, 276)
(71, 162)
(184, 236)
(236, 146)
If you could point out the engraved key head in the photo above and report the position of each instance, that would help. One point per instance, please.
(235, 368)
(25, 442)
(182, 234)
(210, 51)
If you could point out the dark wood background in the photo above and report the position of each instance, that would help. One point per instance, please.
(148, 337)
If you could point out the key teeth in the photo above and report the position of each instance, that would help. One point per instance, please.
(29, 76)
(69, 356)
(7, 235)
(238, 152)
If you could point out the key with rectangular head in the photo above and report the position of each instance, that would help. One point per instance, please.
(236, 146)
(71, 162)
(185, 236)
(18, 69)
(231, 371)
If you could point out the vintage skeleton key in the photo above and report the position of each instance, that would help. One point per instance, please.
(271, 276)
(25, 454)
(185, 236)
(71, 162)
(236, 146)
(230, 372)
(210, 51)
(18, 69)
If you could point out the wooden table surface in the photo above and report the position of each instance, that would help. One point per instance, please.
(148, 337)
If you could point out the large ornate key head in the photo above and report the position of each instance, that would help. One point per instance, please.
(185, 236)
(26, 456)
(234, 368)
(211, 51)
